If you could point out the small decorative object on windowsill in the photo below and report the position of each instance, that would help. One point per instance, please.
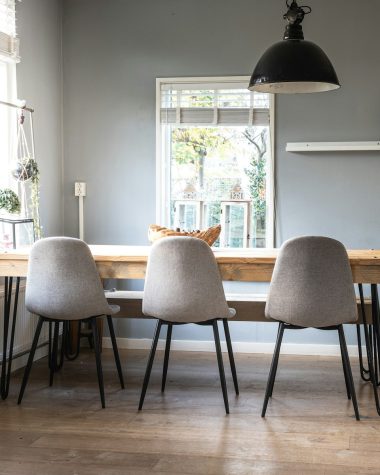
(237, 192)
(190, 192)
(209, 235)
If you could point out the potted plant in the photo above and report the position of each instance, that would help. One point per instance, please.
(9, 201)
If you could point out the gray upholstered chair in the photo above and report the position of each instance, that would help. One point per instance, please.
(183, 285)
(63, 285)
(312, 287)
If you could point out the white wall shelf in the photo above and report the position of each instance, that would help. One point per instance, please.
(332, 146)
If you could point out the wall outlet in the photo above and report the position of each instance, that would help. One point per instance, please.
(80, 188)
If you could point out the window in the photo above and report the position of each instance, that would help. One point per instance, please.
(214, 158)
(8, 60)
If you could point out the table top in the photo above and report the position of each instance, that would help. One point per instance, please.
(116, 261)
(141, 253)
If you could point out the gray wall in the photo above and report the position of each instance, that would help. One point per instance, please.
(39, 83)
(113, 51)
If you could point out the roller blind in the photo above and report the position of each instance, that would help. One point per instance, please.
(9, 44)
(228, 103)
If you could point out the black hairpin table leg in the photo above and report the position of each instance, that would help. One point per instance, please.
(373, 344)
(9, 327)
(364, 372)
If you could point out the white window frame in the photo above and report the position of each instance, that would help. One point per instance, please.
(163, 177)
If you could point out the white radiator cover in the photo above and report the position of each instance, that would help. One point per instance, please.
(25, 327)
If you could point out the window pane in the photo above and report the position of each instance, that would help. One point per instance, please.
(186, 215)
(213, 98)
(234, 226)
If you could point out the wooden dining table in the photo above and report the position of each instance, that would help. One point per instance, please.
(242, 265)
(245, 265)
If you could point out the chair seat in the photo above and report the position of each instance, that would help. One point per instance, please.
(111, 310)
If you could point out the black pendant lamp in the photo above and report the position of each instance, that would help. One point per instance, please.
(294, 65)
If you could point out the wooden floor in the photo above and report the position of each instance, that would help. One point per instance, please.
(309, 428)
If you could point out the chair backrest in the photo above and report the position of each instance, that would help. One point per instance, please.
(63, 281)
(312, 284)
(183, 282)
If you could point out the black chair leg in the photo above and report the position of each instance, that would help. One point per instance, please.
(150, 363)
(346, 362)
(54, 352)
(346, 380)
(99, 370)
(166, 358)
(30, 359)
(276, 362)
(90, 340)
(115, 350)
(220, 365)
(61, 351)
(50, 342)
(231, 355)
(273, 368)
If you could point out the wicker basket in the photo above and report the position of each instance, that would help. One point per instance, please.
(209, 235)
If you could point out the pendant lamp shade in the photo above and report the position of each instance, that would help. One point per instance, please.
(294, 65)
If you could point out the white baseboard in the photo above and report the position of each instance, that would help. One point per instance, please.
(21, 361)
(239, 347)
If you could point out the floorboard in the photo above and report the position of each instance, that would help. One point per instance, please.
(309, 429)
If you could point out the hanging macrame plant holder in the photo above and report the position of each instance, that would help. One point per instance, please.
(26, 172)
